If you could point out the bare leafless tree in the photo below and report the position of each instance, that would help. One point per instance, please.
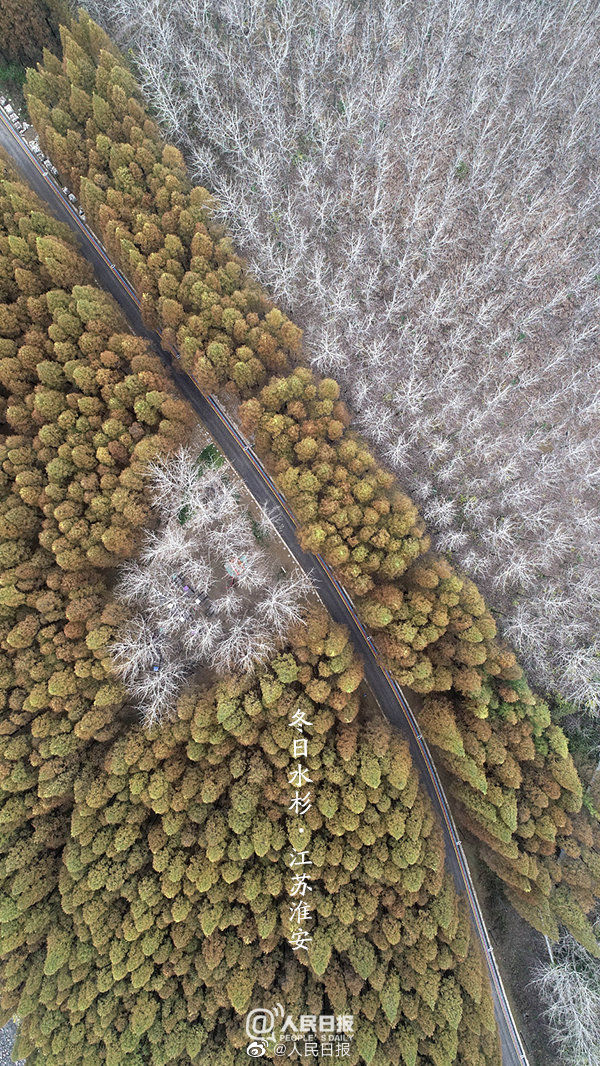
(416, 181)
(569, 986)
(187, 611)
(156, 690)
(137, 650)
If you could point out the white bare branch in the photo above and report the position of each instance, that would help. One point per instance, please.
(205, 591)
(569, 986)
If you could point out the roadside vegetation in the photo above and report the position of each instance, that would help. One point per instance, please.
(512, 776)
(145, 890)
(27, 27)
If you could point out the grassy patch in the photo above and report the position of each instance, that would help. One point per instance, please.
(12, 77)
(209, 456)
(259, 533)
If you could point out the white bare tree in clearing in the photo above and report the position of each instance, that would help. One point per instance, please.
(570, 988)
(186, 613)
(416, 182)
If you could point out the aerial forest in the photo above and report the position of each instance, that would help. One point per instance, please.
(513, 779)
(341, 222)
(416, 185)
(143, 885)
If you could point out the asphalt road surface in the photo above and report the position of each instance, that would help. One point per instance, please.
(393, 702)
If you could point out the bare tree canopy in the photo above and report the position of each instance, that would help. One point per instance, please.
(417, 184)
(570, 987)
(187, 611)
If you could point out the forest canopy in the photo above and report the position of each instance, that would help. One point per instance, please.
(513, 778)
(144, 900)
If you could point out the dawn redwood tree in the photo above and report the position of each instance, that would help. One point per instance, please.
(27, 27)
(143, 896)
(71, 504)
(513, 779)
(173, 917)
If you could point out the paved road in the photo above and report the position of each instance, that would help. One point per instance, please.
(390, 697)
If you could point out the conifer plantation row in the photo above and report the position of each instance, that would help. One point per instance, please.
(512, 777)
(144, 905)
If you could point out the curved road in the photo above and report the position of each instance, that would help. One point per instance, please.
(388, 693)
